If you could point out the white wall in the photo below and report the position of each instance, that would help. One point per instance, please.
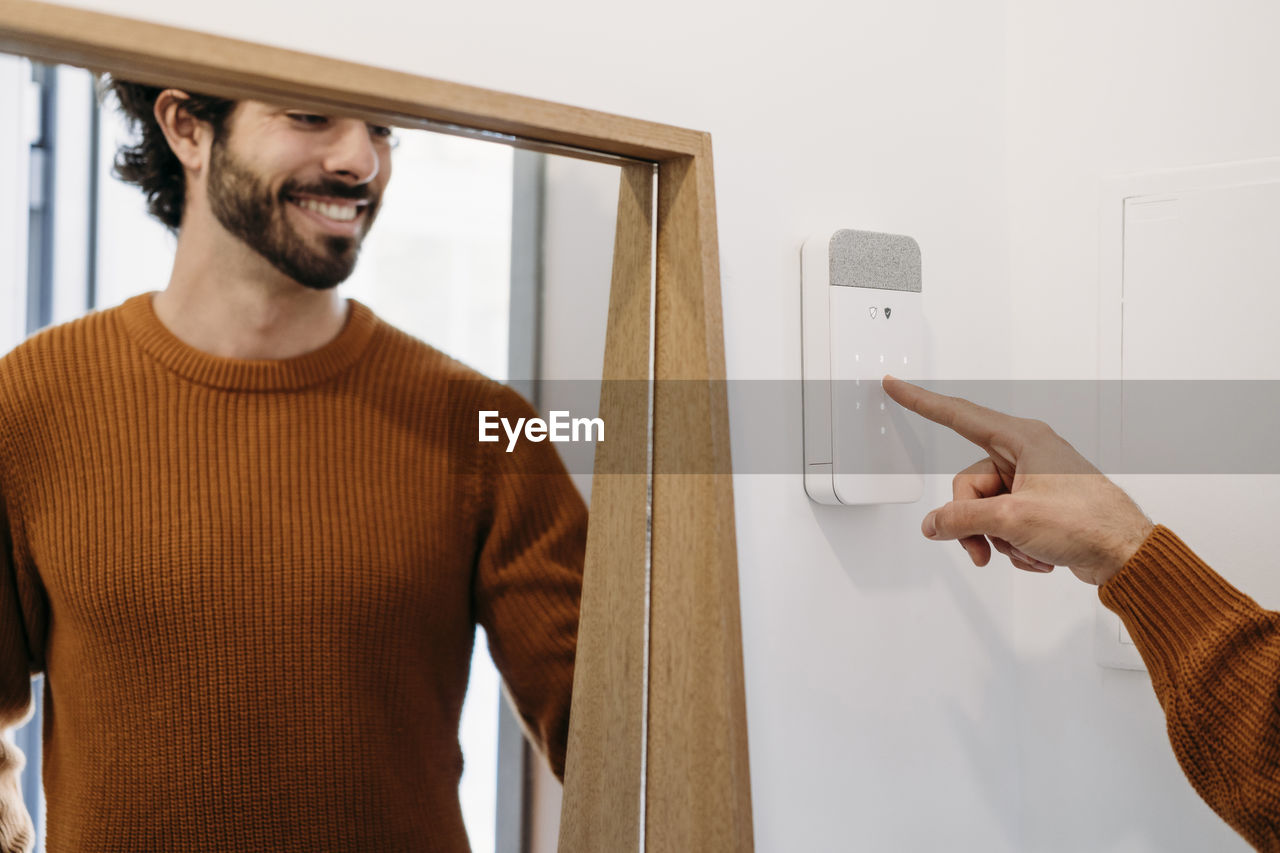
(1099, 89)
(579, 220)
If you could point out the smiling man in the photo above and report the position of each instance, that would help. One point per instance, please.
(246, 529)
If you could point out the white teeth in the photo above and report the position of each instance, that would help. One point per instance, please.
(340, 212)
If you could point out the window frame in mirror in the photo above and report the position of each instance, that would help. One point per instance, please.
(658, 736)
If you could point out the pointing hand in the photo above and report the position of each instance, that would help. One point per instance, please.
(1036, 500)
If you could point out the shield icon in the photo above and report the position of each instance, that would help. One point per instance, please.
(887, 311)
(873, 312)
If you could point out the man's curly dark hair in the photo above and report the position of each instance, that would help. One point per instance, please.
(150, 163)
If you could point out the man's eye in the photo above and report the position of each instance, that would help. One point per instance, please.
(384, 134)
(309, 119)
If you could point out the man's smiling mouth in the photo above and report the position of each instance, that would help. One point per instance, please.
(338, 210)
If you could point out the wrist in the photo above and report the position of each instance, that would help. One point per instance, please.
(1129, 545)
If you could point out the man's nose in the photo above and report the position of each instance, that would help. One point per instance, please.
(352, 153)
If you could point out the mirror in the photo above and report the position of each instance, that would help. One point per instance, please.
(495, 255)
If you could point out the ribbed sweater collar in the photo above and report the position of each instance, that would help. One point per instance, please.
(234, 374)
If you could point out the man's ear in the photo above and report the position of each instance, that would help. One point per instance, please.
(185, 133)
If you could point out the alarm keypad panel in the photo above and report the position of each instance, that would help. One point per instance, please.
(875, 450)
(861, 318)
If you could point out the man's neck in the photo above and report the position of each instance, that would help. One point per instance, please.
(228, 301)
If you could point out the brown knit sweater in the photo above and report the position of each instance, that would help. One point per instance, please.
(1214, 659)
(253, 586)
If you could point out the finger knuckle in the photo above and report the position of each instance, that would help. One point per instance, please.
(1041, 429)
(957, 409)
(1005, 438)
(1004, 515)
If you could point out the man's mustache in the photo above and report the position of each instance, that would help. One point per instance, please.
(334, 189)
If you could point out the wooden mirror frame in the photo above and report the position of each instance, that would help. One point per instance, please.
(658, 753)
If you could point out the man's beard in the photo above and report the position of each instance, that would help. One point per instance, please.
(248, 209)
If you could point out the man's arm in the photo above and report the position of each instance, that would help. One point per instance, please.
(1213, 653)
(528, 580)
(1214, 659)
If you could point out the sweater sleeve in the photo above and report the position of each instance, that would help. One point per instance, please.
(528, 580)
(1214, 659)
(16, 833)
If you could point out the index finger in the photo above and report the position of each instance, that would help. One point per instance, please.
(976, 423)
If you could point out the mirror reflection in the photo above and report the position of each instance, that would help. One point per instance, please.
(248, 527)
